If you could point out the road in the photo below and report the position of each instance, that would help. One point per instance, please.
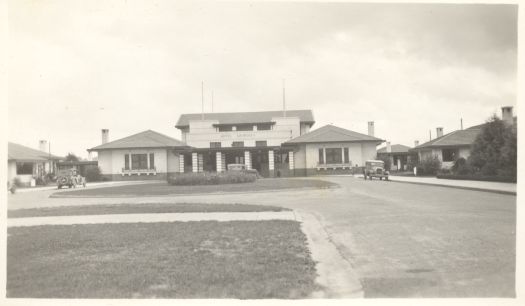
(403, 240)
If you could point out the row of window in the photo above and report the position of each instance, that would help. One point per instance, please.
(139, 161)
(334, 156)
(245, 127)
(238, 144)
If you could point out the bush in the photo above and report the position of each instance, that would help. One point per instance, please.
(429, 166)
(213, 178)
(41, 181)
(462, 167)
(93, 174)
(17, 182)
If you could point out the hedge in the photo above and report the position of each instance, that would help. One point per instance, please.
(212, 178)
(506, 179)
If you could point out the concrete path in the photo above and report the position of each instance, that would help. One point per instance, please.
(497, 187)
(151, 218)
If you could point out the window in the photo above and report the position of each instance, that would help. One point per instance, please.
(245, 127)
(126, 161)
(139, 161)
(321, 156)
(347, 159)
(152, 161)
(450, 155)
(215, 144)
(238, 144)
(333, 156)
(261, 143)
(24, 168)
(264, 127)
(225, 128)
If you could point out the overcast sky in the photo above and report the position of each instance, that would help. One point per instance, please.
(79, 66)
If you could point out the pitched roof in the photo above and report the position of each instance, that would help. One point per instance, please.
(454, 139)
(305, 116)
(146, 139)
(396, 148)
(331, 133)
(22, 153)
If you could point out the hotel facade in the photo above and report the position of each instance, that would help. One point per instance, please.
(275, 143)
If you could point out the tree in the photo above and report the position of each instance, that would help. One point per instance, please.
(494, 152)
(72, 157)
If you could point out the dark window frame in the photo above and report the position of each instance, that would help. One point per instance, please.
(261, 143)
(22, 168)
(215, 144)
(321, 156)
(238, 144)
(139, 161)
(346, 155)
(449, 155)
(152, 160)
(126, 161)
(333, 156)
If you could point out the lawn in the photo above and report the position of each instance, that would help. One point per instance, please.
(238, 259)
(137, 209)
(164, 189)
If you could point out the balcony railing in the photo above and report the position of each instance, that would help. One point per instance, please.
(130, 172)
(334, 166)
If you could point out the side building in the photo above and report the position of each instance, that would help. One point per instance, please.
(145, 155)
(457, 144)
(27, 164)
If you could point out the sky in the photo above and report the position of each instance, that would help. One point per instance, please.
(76, 67)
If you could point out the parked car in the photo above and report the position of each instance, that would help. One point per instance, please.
(70, 178)
(375, 168)
(236, 167)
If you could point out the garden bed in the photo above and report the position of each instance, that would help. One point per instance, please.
(212, 178)
(164, 189)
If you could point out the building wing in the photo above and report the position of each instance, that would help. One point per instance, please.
(22, 153)
(331, 133)
(305, 116)
(146, 139)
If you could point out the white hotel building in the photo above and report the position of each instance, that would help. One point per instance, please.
(272, 142)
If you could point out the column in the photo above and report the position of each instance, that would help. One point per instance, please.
(201, 163)
(291, 162)
(181, 163)
(247, 160)
(270, 163)
(324, 156)
(194, 162)
(223, 158)
(218, 161)
(342, 155)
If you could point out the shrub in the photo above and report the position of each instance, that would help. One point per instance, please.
(212, 178)
(41, 181)
(429, 166)
(462, 167)
(93, 174)
(17, 182)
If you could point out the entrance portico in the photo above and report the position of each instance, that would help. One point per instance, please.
(268, 161)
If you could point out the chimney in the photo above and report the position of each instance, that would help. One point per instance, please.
(388, 147)
(416, 143)
(439, 132)
(506, 115)
(371, 128)
(105, 136)
(42, 145)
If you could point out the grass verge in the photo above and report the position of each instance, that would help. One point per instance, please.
(164, 189)
(207, 259)
(137, 209)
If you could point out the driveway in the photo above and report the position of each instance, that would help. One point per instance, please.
(403, 240)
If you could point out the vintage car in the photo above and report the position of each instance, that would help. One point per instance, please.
(375, 168)
(236, 167)
(70, 178)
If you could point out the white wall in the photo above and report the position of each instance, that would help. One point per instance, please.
(202, 132)
(112, 161)
(358, 153)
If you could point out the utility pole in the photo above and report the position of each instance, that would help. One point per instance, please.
(202, 96)
(284, 98)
